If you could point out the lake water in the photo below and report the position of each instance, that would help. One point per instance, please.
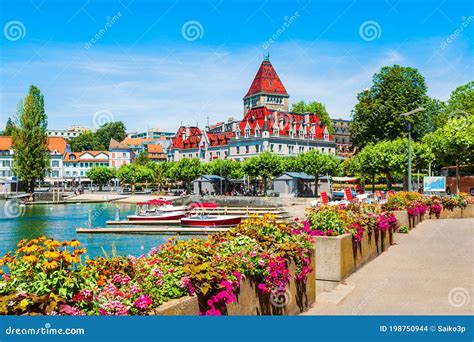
(60, 222)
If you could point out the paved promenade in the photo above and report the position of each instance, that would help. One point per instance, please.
(429, 271)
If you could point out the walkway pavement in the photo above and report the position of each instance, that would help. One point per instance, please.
(429, 271)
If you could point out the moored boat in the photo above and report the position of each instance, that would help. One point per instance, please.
(211, 221)
(158, 216)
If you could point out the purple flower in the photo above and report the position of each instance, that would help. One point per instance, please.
(143, 302)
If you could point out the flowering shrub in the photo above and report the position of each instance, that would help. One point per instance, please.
(46, 276)
(355, 218)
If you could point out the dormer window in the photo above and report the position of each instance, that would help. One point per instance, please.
(326, 136)
(72, 157)
(257, 132)
(301, 133)
(237, 133)
(247, 132)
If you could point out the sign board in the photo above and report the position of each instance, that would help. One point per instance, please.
(436, 184)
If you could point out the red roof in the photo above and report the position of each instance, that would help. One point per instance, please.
(266, 81)
(190, 138)
(58, 144)
(285, 122)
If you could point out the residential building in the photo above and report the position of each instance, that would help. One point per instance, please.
(156, 153)
(119, 154)
(69, 133)
(164, 138)
(342, 137)
(57, 147)
(76, 164)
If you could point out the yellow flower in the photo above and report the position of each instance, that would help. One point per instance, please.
(70, 258)
(74, 243)
(30, 249)
(30, 258)
(50, 264)
(52, 243)
(52, 254)
(21, 243)
(79, 251)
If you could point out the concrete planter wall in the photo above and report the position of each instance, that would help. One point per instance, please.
(338, 256)
(402, 217)
(450, 214)
(298, 297)
(468, 211)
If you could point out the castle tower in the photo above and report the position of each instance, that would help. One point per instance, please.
(266, 89)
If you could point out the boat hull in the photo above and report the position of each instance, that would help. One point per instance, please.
(211, 221)
(164, 217)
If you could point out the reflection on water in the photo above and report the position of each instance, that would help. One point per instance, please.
(60, 222)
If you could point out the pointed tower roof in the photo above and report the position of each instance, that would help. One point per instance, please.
(266, 80)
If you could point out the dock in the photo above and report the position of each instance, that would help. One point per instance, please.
(153, 229)
(144, 223)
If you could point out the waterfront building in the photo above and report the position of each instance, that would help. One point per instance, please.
(267, 125)
(57, 147)
(76, 164)
(119, 154)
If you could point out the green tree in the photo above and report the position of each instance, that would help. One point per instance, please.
(315, 164)
(111, 130)
(460, 103)
(160, 172)
(225, 168)
(376, 116)
(265, 166)
(453, 144)
(314, 107)
(133, 174)
(30, 140)
(9, 127)
(100, 175)
(142, 159)
(87, 141)
(462, 99)
(291, 164)
(186, 170)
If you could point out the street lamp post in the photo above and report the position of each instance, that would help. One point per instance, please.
(410, 187)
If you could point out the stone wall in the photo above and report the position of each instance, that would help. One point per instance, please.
(297, 297)
(338, 256)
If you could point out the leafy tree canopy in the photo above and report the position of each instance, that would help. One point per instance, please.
(314, 107)
(30, 139)
(395, 90)
(101, 175)
(9, 127)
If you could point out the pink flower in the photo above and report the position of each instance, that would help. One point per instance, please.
(261, 262)
(143, 302)
(117, 278)
(68, 310)
(134, 289)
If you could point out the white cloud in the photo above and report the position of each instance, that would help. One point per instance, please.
(164, 87)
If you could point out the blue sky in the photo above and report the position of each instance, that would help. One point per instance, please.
(135, 61)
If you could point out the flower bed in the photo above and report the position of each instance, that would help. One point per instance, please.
(47, 277)
(347, 238)
(418, 207)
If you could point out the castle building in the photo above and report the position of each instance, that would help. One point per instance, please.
(267, 125)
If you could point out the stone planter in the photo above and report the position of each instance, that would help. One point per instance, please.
(468, 211)
(402, 218)
(338, 256)
(297, 297)
(451, 214)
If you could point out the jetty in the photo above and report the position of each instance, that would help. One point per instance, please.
(153, 230)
